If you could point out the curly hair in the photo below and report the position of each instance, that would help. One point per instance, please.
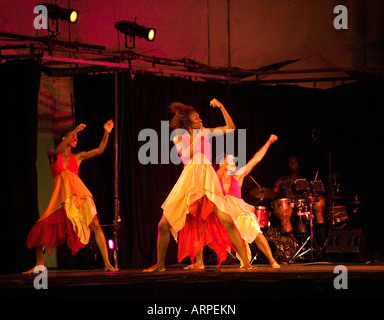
(181, 115)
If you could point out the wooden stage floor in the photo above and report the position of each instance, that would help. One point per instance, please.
(229, 283)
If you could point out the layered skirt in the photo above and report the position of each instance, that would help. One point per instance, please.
(189, 210)
(68, 216)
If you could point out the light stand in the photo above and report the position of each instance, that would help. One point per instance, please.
(116, 207)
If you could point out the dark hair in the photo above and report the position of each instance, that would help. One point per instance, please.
(63, 134)
(181, 115)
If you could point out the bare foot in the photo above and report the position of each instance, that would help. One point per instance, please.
(35, 269)
(155, 268)
(248, 266)
(275, 265)
(195, 267)
(110, 267)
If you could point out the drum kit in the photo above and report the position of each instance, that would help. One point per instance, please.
(308, 206)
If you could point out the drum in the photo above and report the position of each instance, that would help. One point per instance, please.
(302, 216)
(302, 208)
(318, 209)
(317, 187)
(300, 187)
(262, 216)
(339, 215)
(283, 210)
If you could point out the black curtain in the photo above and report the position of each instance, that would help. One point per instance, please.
(19, 89)
(94, 106)
(352, 128)
(345, 120)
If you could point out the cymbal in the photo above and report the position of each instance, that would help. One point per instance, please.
(356, 203)
(263, 193)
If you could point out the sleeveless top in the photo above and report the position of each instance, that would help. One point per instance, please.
(234, 189)
(58, 166)
(203, 148)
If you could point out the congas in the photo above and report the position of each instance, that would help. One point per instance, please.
(302, 216)
(283, 210)
(262, 216)
(318, 209)
(302, 208)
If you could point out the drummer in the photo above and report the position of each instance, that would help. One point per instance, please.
(231, 180)
(282, 186)
(283, 189)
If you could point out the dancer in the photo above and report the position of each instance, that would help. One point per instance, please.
(231, 180)
(71, 212)
(197, 194)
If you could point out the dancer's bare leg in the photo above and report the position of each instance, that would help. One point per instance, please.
(102, 244)
(162, 245)
(39, 259)
(249, 255)
(199, 262)
(234, 235)
(263, 245)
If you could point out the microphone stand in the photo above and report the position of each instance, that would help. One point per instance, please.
(329, 154)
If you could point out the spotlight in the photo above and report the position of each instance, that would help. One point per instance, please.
(56, 12)
(111, 244)
(73, 16)
(134, 30)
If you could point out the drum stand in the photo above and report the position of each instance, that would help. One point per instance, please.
(310, 238)
(254, 258)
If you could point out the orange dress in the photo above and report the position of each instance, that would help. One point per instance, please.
(188, 207)
(69, 213)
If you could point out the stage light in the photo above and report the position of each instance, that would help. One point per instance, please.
(56, 12)
(73, 16)
(111, 244)
(134, 30)
(151, 34)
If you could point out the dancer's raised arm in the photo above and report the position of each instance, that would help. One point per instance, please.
(108, 126)
(229, 124)
(258, 156)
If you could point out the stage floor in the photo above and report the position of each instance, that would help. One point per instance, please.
(290, 282)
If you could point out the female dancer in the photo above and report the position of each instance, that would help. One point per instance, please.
(71, 212)
(231, 180)
(197, 193)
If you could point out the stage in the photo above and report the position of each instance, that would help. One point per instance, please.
(297, 281)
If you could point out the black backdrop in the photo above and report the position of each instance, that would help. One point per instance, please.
(19, 90)
(347, 119)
